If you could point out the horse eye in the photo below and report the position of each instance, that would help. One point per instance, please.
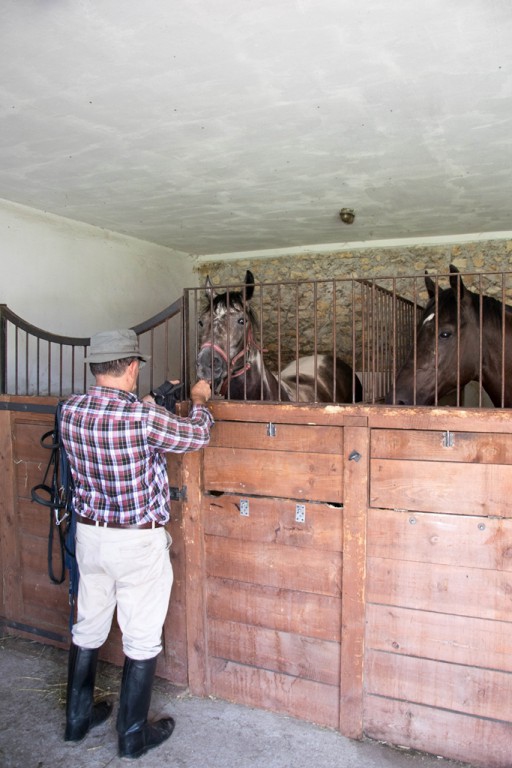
(200, 323)
(445, 335)
(241, 321)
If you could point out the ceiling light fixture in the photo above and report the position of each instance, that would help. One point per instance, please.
(347, 215)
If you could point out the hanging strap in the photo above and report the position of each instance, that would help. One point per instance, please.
(49, 493)
(56, 493)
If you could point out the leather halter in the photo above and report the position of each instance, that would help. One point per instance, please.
(232, 363)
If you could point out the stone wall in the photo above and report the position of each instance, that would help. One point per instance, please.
(477, 256)
(314, 301)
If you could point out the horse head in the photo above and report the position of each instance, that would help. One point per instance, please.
(225, 334)
(445, 355)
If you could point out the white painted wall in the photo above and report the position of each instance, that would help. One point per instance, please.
(74, 279)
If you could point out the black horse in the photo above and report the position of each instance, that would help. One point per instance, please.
(461, 337)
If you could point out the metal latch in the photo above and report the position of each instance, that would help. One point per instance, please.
(448, 439)
(271, 429)
(177, 494)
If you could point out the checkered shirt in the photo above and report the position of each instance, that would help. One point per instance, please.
(116, 446)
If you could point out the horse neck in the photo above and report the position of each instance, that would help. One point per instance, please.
(494, 335)
(258, 382)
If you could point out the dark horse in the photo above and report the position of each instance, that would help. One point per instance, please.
(461, 337)
(230, 358)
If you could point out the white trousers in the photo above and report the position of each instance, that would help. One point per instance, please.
(130, 569)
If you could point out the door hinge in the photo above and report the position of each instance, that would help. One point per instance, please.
(178, 494)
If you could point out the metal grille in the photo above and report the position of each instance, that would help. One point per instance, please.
(364, 322)
(371, 324)
(35, 362)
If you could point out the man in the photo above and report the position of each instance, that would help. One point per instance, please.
(116, 446)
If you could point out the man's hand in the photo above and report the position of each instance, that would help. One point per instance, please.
(200, 392)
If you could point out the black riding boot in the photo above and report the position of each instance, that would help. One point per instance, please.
(136, 735)
(81, 712)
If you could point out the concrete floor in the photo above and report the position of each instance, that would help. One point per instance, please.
(210, 733)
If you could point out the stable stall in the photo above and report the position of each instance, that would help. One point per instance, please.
(348, 564)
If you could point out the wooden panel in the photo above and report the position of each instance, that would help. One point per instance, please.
(41, 615)
(287, 437)
(27, 438)
(273, 521)
(174, 665)
(28, 474)
(423, 445)
(274, 609)
(30, 457)
(464, 640)
(469, 690)
(490, 420)
(447, 589)
(9, 539)
(486, 743)
(316, 477)
(194, 574)
(284, 652)
(353, 588)
(34, 518)
(305, 613)
(476, 489)
(473, 542)
(266, 607)
(288, 413)
(37, 589)
(273, 566)
(33, 556)
(317, 702)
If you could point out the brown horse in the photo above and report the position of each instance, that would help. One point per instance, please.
(231, 359)
(461, 337)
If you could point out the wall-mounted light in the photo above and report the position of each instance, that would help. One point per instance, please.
(347, 215)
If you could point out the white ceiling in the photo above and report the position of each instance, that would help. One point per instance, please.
(220, 126)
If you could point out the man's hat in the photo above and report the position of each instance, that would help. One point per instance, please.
(114, 345)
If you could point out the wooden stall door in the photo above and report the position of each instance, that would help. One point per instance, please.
(265, 589)
(438, 664)
(31, 605)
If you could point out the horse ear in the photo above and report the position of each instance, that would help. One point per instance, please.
(249, 283)
(431, 286)
(456, 281)
(209, 290)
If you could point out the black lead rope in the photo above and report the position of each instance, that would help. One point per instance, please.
(52, 496)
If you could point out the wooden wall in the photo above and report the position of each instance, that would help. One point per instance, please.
(272, 567)
(388, 616)
(30, 604)
(438, 659)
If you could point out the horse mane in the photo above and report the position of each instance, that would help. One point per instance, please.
(491, 307)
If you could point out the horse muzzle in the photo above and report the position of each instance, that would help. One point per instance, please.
(212, 367)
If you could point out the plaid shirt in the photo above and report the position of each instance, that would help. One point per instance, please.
(116, 446)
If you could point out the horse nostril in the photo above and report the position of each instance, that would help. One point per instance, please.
(208, 364)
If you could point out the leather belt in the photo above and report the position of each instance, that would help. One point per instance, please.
(99, 524)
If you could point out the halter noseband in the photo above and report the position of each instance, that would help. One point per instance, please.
(232, 373)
